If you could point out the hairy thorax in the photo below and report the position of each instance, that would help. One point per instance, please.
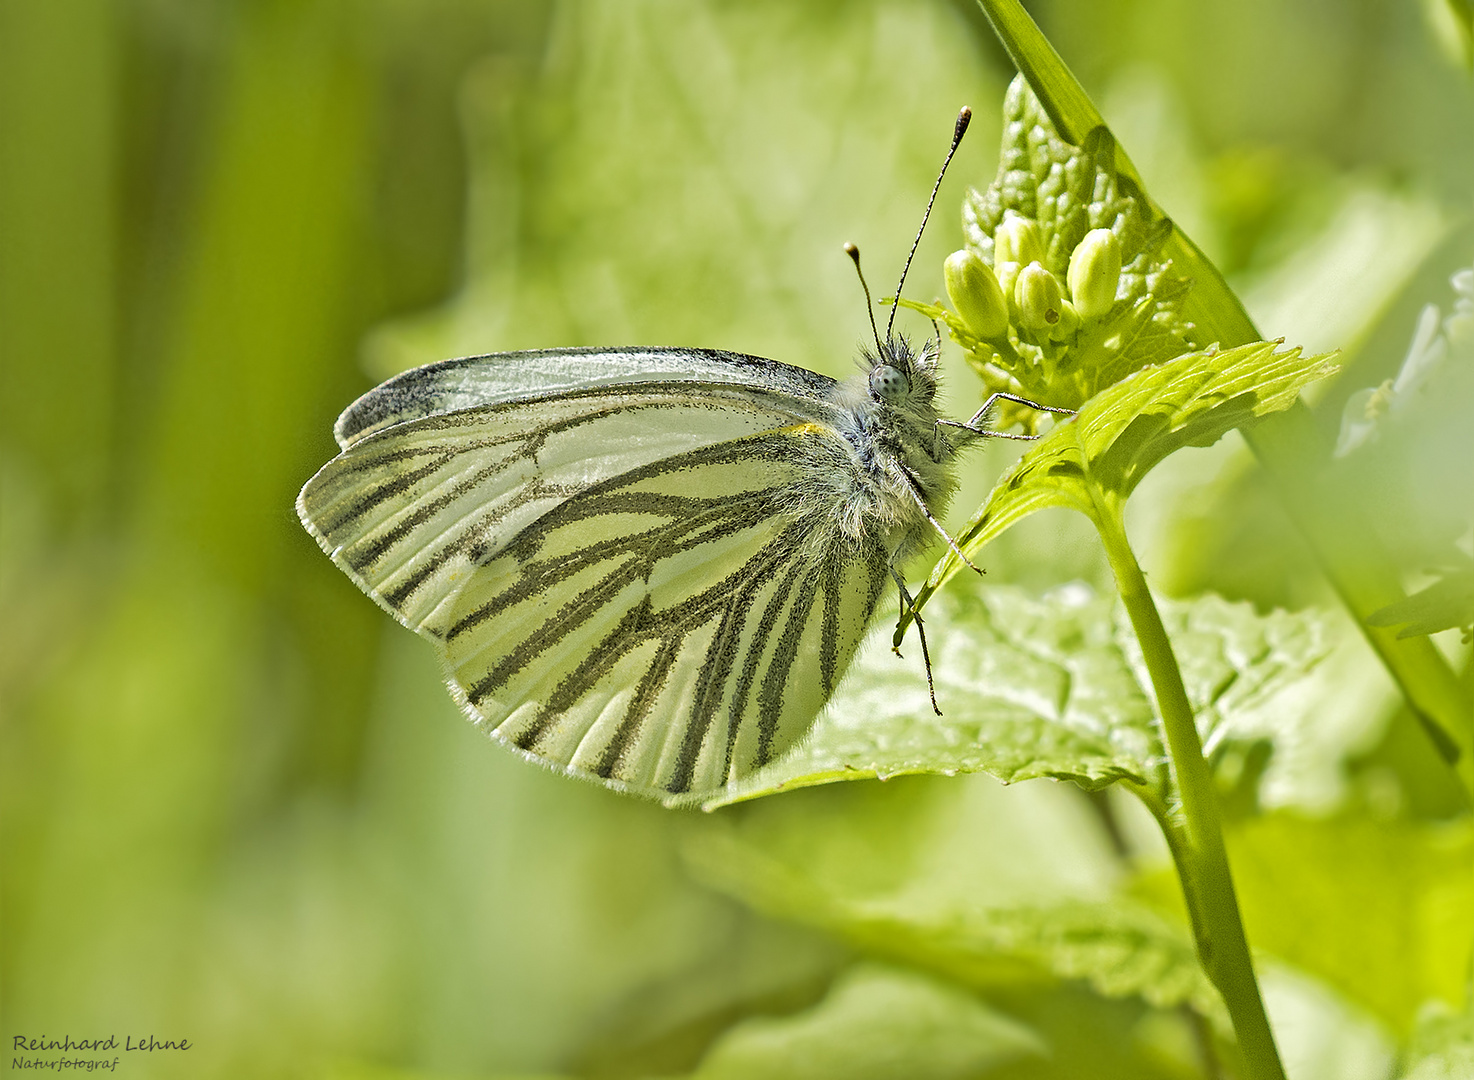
(895, 453)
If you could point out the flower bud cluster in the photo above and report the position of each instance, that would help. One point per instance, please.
(1067, 282)
(1019, 290)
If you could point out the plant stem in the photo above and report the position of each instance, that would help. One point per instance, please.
(1194, 829)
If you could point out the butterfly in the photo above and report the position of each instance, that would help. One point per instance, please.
(646, 566)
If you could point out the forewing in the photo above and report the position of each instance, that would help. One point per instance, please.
(477, 381)
(643, 583)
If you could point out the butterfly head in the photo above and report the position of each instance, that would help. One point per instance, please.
(899, 377)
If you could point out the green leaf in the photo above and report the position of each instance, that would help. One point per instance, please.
(1118, 948)
(1006, 890)
(1127, 429)
(1237, 664)
(876, 1022)
(1051, 687)
(1027, 689)
(1442, 1049)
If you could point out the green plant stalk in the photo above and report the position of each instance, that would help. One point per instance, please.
(1194, 830)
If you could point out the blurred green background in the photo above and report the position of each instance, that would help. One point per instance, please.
(237, 805)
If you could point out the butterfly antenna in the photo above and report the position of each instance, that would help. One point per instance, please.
(854, 253)
(964, 117)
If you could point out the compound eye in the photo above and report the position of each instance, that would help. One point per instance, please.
(889, 384)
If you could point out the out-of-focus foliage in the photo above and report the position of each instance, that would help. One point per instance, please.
(876, 1023)
(236, 805)
(1443, 1049)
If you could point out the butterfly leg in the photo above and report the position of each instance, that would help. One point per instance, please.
(935, 524)
(908, 604)
(989, 432)
(977, 417)
(1001, 396)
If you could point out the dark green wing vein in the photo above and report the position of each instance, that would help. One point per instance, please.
(675, 621)
(633, 559)
(687, 522)
(721, 658)
(676, 626)
(671, 631)
(780, 667)
(646, 696)
(385, 469)
(748, 674)
(829, 653)
(523, 446)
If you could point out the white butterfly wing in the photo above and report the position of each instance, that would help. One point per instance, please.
(643, 582)
(474, 381)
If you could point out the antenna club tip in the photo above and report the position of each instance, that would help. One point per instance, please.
(852, 251)
(964, 117)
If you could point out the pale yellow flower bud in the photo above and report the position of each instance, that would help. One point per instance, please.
(1039, 297)
(1007, 273)
(976, 294)
(1095, 271)
(1017, 240)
